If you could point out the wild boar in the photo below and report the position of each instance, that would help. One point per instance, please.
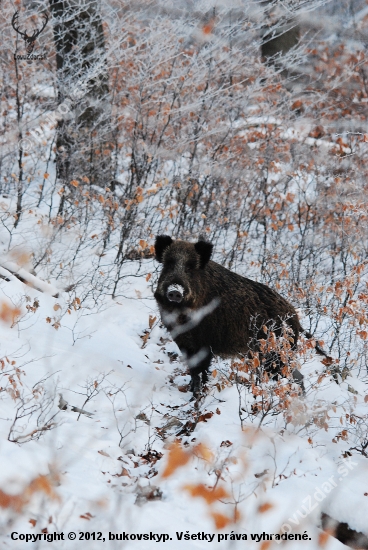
(210, 310)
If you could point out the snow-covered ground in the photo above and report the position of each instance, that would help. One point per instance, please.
(101, 443)
(108, 472)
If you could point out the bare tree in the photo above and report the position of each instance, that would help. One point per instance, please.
(84, 135)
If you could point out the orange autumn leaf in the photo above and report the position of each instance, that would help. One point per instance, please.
(323, 538)
(11, 501)
(40, 484)
(74, 183)
(265, 544)
(208, 27)
(265, 507)
(209, 495)
(202, 451)
(221, 521)
(296, 105)
(177, 458)
(8, 313)
(22, 258)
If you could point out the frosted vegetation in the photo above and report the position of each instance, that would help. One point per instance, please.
(171, 118)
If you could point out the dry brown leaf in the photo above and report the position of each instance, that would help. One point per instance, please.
(103, 453)
(144, 338)
(204, 452)
(177, 457)
(265, 507)
(221, 521)
(323, 538)
(9, 501)
(87, 515)
(205, 416)
(209, 495)
(39, 484)
(151, 321)
(8, 314)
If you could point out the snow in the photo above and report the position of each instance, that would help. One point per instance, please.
(93, 390)
(94, 462)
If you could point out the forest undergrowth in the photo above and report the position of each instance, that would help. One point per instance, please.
(201, 136)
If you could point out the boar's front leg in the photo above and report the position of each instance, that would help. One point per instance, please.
(195, 384)
(198, 362)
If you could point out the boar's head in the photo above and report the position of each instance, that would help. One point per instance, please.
(182, 278)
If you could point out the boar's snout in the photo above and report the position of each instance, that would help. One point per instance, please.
(175, 293)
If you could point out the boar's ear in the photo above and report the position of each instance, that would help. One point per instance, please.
(161, 243)
(204, 249)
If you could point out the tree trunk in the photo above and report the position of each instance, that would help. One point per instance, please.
(83, 135)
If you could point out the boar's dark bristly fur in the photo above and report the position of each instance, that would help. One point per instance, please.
(190, 281)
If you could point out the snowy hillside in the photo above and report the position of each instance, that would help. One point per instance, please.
(243, 124)
(105, 471)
